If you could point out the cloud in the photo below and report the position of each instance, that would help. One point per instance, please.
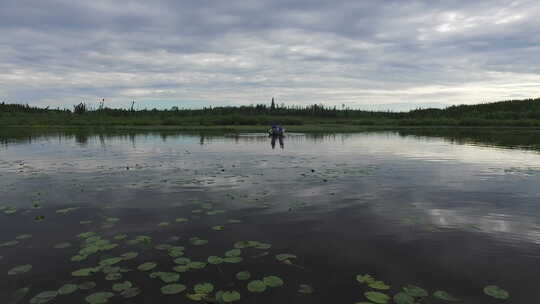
(359, 53)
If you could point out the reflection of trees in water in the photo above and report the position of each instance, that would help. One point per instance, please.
(81, 138)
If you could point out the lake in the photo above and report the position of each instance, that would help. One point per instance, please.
(149, 217)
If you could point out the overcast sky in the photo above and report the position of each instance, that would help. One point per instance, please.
(368, 54)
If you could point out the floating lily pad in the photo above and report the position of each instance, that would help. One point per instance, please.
(62, 245)
(218, 228)
(233, 260)
(110, 269)
(263, 246)
(68, 289)
(230, 296)
(113, 276)
(245, 244)
(181, 220)
(110, 261)
(99, 297)
(147, 266)
(172, 289)
(256, 286)
(119, 287)
(204, 288)
(443, 295)
(87, 285)
(305, 289)
(198, 242)
(403, 298)
(377, 297)
(273, 281)
(44, 297)
(39, 218)
(166, 277)
(23, 236)
(215, 260)
(129, 255)
(130, 292)
(9, 244)
(234, 221)
(243, 275)
(233, 253)
(120, 237)
(85, 222)
(164, 224)
(20, 269)
(163, 246)
(78, 258)
(196, 265)
(415, 291)
(366, 278)
(86, 235)
(175, 252)
(285, 256)
(182, 261)
(379, 285)
(496, 292)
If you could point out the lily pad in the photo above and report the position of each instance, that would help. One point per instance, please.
(181, 220)
(23, 236)
(20, 269)
(496, 292)
(147, 266)
(285, 256)
(263, 246)
(243, 275)
(110, 261)
(233, 260)
(196, 265)
(130, 292)
(99, 297)
(163, 246)
(415, 291)
(230, 296)
(87, 285)
(169, 277)
(9, 244)
(233, 253)
(273, 281)
(377, 297)
(204, 288)
(215, 260)
(129, 255)
(218, 228)
(44, 297)
(366, 278)
(403, 298)
(19, 294)
(175, 252)
(182, 261)
(181, 268)
(305, 289)
(62, 245)
(256, 286)
(68, 289)
(443, 295)
(379, 285)
(199, 242)
(120, 287)
(196, 296)
(113, 276)
(172, 289)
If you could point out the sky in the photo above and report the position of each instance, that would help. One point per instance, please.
(372, 54)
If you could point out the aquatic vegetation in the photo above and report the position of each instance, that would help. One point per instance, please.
(19, 294)
(85, 222)
(120, 237)
(256, 286)
(197, 241)
(20, 269)
(120, 287)
(230, 296)
(233, 260)
(182, 260)
(181, 220)
(243, 275)
(9, 244)
(164, 224)
(273, 281)
(285, 256)
(66, 210)
(85, 272)
(215, 260)
(233, 253)
(443, 295)
(10, 210)
(403, 298)
(87, 285)
(379, 285)
(166, 277)
(496, 292)
(415, 291)
(365, 278)
(110, 261)
(39, 218)
(99, 297)
(23, 237)
(147, 266)
(203, 288)
(175, 252)
(377, 297)
(172, 289)
(44, 297)
(305, 289)
(181, 268)
(114, 276)
(196, 265)
(131, 292)
(218, 228)
(163, 247)
(67, 289)
(129, 255)
(62, 245)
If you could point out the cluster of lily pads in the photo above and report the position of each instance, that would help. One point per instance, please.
(411, 294)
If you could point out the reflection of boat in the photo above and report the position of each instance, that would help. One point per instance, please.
(276, 131)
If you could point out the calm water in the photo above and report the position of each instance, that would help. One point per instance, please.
(437, 212)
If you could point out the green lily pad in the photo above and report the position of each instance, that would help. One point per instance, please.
(68, 289)
(285, 256)
(196, 265)
(119, 287)
(86, 235)
(23, 236)
(163, 246)
(403, 298)
(273, 281)
(39, 218)
(87, 285)
(62, 245)
(215, 260)
(99, 297)
(130, 292)
(443, 295)
(120, 237)
(366, 278)
(377, 297)
(243, 275)
(44, 297)
(199, 242)
(256, 286)
(85, 222)
(110, 261)
(172, 289)
(245, 244)
(19, 294)
(230, 296)
(182, 261)
(218, 228)
(20, 269)
(415, 291)
(196, 296)
(164, 224)
(175, 252)
(204, 288)
(169, 277)
(129, 255)
(181, 268)
(496, 292)
(234, 221)
(379, 285)
(147, 266)
(233, 260)
(110, 269)
(115, 276)
(9, 244)
(233, 253)
(181, 220)
(78, 258)
(85, 272)
(305, 289)
(263, 246)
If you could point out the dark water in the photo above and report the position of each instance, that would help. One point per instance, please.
(443, 212)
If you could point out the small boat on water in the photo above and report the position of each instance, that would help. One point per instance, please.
(276, 130)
